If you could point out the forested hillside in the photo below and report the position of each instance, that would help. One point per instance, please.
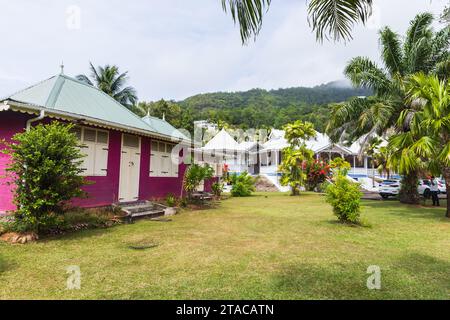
(256, 108)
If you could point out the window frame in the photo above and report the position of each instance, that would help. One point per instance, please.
(95, 145)
(159, 159)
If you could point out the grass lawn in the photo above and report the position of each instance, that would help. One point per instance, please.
(264, 247)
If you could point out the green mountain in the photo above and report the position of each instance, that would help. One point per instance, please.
(258, 108)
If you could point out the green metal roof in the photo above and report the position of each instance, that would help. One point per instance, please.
(163, 126)
(68, 95)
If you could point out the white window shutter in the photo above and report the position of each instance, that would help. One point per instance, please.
(173, 166)
(154, 167)
(101, 160)
(165, 165)
(89, 160)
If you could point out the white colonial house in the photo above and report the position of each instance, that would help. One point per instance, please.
(264, 158)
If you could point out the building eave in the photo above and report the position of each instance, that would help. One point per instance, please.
(62, 115)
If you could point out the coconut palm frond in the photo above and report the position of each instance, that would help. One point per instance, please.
(330, 19)
(363, 72)
(109, 80)
(392, 51)
(335, 18)
(248, 14)
(85, 79)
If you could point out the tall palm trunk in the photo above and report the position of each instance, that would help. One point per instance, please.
(408, 191)
(446, 174)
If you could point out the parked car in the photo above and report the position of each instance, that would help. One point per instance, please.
(424, 188)
(391, 188)
(442, 187)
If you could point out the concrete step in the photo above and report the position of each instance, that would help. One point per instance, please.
(140, 209)
(147, 214)
(143, 208)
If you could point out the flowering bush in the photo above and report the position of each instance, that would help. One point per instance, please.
(317, 173)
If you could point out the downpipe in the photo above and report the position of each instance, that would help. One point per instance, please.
(40, 117)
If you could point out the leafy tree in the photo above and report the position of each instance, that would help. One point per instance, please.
(168, 110)
(422, 50)
(427, 143)
(340, 166)
(297, 155)
(45, 169)
(252, 109)
(109, 80)
(298, 132)
(328, 18)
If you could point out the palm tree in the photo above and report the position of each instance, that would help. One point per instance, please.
(422, 50)
(328, 18)
(371, 150)
(428, 140)
(382, 158)
(109, 80)
(294, 156)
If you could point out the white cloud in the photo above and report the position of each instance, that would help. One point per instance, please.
(176, 48)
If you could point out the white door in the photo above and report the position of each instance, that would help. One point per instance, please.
(130, 164)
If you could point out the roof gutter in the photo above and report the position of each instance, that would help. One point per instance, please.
(72, 116)
(39, 118)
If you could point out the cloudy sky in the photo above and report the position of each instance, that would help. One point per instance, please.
(177, 48)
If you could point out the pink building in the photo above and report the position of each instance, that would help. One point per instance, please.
(127, 157)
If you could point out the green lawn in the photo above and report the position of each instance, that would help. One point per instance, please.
(265, 247)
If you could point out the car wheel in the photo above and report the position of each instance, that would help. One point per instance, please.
(384, 196)
(427, 194)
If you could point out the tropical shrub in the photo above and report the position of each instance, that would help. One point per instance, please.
(171, 200)
(345, 198)
(45, 168)
(317, 173)
(194, 176)
(217, 189)
(243, 185)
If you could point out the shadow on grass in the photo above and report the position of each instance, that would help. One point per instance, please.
(408, 277)
(408, 211)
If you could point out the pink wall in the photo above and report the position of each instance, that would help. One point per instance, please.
(10, 124)
(157, 187)
(104, 191)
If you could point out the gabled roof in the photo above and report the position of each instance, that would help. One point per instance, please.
(222, 141)
(163, 127)
(64, 95)
(318, 144)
